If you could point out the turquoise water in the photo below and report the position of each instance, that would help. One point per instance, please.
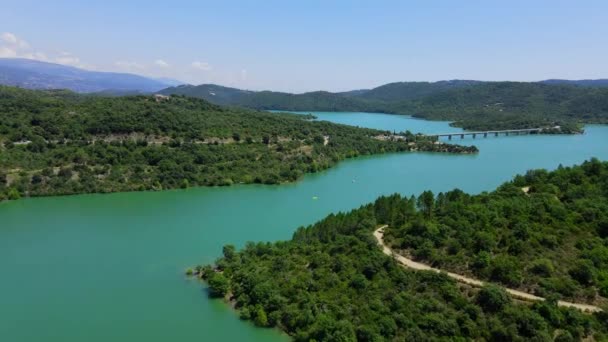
(396, 123)
(109, 267)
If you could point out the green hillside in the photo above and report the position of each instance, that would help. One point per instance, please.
(331, 282)
(402, 91)
(544, 233)
(58, 142)
(495, 105)
(470, 104)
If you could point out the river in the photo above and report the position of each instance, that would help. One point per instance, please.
(110, 267)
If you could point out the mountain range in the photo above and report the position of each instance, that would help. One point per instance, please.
(32, 74)
(385, 98)
(361, 99)
(467, 103)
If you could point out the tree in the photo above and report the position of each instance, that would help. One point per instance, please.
(426, 202)
(583, 272)
(493, 298)
(506, 270)
(13, 194)
(542, 267)
(218, 285)
(229, 252)
(261, 320)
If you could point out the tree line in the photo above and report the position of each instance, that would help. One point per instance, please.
(331, 282)
(58, 143)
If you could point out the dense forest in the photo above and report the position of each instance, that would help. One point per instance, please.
(545, 233)
(271, 100)
(470, 104)
(59, 142)
(331, 282)
(497, 105)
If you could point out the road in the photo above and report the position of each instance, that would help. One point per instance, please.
(379, 235)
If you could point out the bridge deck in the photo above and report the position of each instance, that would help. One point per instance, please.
(486, 132)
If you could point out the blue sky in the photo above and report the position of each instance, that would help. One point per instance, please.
(310, 45)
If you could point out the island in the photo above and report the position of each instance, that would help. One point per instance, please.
(543, 232)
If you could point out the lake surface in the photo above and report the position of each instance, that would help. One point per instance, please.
(110, 267)
(396, 123)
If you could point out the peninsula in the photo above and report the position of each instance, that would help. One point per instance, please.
(60, 143)
(332, 281)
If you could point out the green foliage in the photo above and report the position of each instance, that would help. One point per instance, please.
(13, 194)
(261, 320)
(331, 282)
(470, 104)
(493, 298)
(550, 241)
(218, 285)
(63, 143)
(502, 105)
(542, 267)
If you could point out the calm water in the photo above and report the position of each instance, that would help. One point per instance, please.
(384, 122)
(109, 267)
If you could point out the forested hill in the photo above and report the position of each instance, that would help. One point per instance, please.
(470, 104)
(59, 142)
(331, 282)
(211, 92)
(495, 105)
(583, 83)
(270, 100)
(402, 91)
(545, 233)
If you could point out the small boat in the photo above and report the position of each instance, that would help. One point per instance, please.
(315, 197)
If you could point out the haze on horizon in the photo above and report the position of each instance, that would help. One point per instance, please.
(312, 45)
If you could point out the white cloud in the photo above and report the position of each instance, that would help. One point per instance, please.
(13, 46)
(6, 52)
(40, 56)
(12, 40)
(204, 66)
(161, 63)
(68, 59)
(9, 38)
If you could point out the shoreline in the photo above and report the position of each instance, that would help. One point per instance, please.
(441, 149)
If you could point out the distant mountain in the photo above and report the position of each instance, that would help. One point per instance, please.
(401, 91)
(169, 81)
(268, 100)
(502, 105)
(583, 83)
(470, 104)
(354, 100)
(213, 93)
(353, 93)
(31, 74)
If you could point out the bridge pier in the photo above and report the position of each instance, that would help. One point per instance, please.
(449, 137)
(462, 136)
(495, 134)
(485, 135)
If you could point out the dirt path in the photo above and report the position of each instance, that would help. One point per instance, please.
(379, 235)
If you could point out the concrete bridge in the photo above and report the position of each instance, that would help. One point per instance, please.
(485, 133)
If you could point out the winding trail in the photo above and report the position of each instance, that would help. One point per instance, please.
(379, 235)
